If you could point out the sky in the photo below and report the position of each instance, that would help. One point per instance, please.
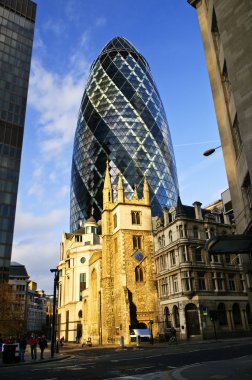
(69, 35)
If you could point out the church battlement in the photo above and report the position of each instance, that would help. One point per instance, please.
(108, 201)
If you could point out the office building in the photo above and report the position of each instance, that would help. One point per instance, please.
(17, 20)
(226, 29)
(121, 119)
(199, 294)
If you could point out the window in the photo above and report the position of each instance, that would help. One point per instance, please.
(78, 238)
(198, 254)
(115, 220)
(242, 282)
(231, 281)
(195, 233)
(83, 284)
(184, 253)
(137, 242)
(227, 258)
(236, 136)
(215, 258)
(175, 283)
(213, 281)
(136, 217)
(167, 317)
(201, 281)
(180, 231)
(170, 236)
(163, 262)
(186, 281)
(139, 274)
(173, 258)
(176, 316)
(164, 289)
(220, 281)
(207, 234)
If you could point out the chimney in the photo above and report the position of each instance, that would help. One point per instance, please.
(197, 209)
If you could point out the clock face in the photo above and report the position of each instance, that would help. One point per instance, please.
(82, 260)
(138, 255)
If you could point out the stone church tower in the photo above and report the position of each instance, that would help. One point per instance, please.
(128, 288)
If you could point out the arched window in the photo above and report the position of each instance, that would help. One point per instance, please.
(139, 274)
(222, 314)
(170, 236)
(80, 314)
(176, 316)
(167, 317)
(236, 314)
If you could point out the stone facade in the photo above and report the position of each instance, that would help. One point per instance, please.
(120, 290)
(195, 288)
(226, 29)
(77, 249)
(129, 295)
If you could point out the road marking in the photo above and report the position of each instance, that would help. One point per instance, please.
(153, 356)
(194, 350)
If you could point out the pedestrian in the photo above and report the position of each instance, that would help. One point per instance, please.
(33, 341)
(9, 340)
(42, 342)
(173, 334)
(62, 341)
(22, 348)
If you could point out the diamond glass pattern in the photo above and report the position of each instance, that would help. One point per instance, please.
(122, 120)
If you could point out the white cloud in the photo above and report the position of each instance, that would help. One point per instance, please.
(100, 21)
(56, 100)
(36, 244)
(85, 37)
(55, 27)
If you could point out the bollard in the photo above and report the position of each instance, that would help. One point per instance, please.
(122, 342)
(138, 340)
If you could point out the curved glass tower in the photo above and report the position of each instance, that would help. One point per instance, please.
(122, 120)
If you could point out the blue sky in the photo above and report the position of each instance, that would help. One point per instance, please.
(69, 35)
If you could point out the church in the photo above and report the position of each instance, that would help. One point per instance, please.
(107, 283)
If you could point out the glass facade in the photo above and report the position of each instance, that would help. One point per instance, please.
(16, 38)
(122, 120)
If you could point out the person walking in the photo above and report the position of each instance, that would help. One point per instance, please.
(22, 348)
(42, 342)
(33, 341)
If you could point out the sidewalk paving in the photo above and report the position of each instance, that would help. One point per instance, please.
(29, 360)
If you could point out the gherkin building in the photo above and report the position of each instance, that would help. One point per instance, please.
(122, 120)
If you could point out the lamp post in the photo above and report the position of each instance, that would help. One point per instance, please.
(151, 332)
(56, 278)
(210, 151)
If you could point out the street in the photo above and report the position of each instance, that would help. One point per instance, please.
(182, 361)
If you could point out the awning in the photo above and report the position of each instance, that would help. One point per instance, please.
(229, 244)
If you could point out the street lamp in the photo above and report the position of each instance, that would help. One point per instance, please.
(210, 151)
(56, 278)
